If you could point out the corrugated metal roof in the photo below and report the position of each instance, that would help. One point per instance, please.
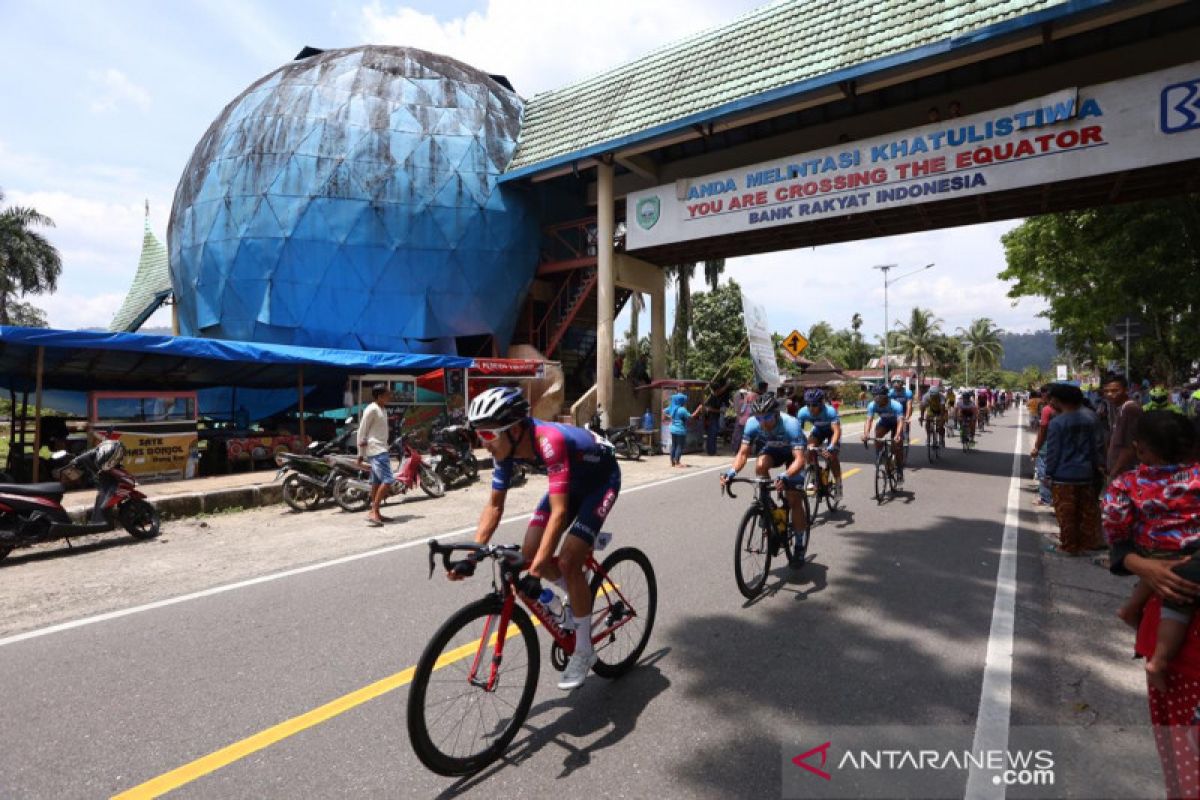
(770, 48)
(151, 285)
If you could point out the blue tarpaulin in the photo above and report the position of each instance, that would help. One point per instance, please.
(90, 360)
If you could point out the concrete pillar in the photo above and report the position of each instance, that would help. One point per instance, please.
(605, 289)
(658, 333)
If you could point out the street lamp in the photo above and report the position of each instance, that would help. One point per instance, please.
(887, 367)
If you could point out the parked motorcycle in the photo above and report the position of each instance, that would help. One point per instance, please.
(308, 479)
(354, 494)
(624, 440)
(451, 455)
(33, 512)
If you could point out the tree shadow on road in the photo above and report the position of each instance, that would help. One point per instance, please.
(49, 551)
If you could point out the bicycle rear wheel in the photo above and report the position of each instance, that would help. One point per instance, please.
(457, 726)
(625, 591)
(752, 553)
(833, 494)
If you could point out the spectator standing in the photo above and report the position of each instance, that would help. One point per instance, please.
(718, 397)
(678, 415)
(1045, 495)
(1123, 413)
(373, 449)
(1073, 453)
(745, 410)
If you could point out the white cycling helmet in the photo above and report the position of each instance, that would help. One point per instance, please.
(498, 407)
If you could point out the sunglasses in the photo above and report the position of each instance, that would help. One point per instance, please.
(489, 435)
(766, 418)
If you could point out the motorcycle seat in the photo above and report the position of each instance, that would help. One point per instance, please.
(52, 489)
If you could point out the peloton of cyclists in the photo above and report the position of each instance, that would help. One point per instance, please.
(584, 483)
(826, 430)
(891, 423)
(781, 442)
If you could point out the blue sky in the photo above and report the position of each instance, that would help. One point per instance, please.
(110, 99)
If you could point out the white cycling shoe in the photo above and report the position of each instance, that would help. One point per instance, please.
(578, 667)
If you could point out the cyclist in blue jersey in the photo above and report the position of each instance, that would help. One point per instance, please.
(826, 430)
(584, 483)
(903, 395)
(780, 442)
(891, 422)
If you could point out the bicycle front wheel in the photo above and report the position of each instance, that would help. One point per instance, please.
(752, 553)
(880, 476)
(457, 724)
(626, 600)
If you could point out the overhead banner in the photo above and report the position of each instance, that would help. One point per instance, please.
(1113, 127)
(762, 346)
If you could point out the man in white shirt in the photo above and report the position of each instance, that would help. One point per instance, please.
(373, 448)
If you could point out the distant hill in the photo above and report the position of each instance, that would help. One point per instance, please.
(1028, 349)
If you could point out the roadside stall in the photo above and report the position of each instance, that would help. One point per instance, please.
(660, 394)
(157, 428)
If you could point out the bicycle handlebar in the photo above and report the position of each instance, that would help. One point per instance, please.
(510, 553)
(726, 487)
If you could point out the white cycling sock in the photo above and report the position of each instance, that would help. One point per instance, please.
(583, 634)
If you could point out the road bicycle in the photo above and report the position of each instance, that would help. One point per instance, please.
(887, 472)
(966, 432)
(819, 484)
(935, 439)
(764, 532)
(474, 683)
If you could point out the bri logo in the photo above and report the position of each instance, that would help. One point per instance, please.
(1180, 109)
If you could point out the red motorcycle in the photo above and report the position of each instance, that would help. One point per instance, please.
(354, 493)
(33, 512)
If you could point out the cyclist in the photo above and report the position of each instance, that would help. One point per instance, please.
(1160, 400)
(965, 411)
(902, 394)
(983, 399)
(584, 483)
(826, 429)
(950, 398)
(782, 443)
(934, 406)
(890, 414)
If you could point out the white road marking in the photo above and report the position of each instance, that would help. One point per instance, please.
(229, 587)
(995, 698)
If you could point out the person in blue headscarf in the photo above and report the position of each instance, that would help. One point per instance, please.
(678, 415)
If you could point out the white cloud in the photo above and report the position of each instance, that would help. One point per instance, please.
(546, 44)
(112, 88)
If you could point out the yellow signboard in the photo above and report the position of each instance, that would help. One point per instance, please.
(158, 456)
(795, 343)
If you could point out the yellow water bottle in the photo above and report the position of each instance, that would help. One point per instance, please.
(780, 515)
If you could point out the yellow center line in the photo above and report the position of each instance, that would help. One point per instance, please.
(194, 770)
(169, 781)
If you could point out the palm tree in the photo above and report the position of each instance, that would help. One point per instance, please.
(982, 342)
(682, 275)
(918, 340)
(28, 263)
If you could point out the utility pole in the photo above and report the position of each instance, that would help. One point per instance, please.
(884, 268)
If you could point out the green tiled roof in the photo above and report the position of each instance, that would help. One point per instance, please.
(767, 49)
(151, 285)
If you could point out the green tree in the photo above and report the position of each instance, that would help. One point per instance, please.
(720, 335)
(859, 353)
(1094, 267)
(981, 340)
(29, 264)
(682, 275)
(918, 339)
(27, 315)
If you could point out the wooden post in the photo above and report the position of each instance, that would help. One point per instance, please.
(300, 392)
(37, 420)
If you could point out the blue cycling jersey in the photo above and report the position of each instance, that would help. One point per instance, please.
(786, 433)
(892, 410)
(821, 421)
(906, 400)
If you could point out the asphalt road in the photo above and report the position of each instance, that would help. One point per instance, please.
(888, 624)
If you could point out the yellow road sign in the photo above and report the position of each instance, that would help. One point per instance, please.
(795, 343)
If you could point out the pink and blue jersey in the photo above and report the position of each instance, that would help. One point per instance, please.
(573, 458)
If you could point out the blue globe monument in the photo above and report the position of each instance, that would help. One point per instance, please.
(349, 199)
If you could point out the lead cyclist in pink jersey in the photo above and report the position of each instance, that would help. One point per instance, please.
(584, 483)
